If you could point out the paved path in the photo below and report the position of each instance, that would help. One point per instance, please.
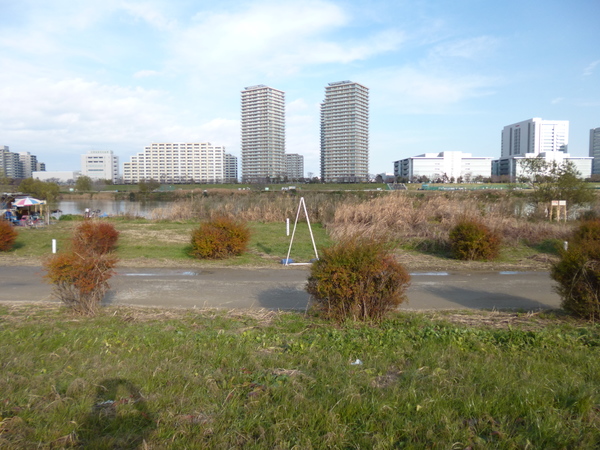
(283, 288)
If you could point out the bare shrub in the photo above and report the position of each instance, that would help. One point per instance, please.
(8, 235)
(94, 237)
(220, 238)
(357, 279)
(472, 240)
(578, 272)
(80, 277)
(80, 280)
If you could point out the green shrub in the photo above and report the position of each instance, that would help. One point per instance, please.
(95, 237)
(8, 235)
(220, 238)
(578, 272)
(80, 280)
(71, 217)
(472, 240)
(357, 279)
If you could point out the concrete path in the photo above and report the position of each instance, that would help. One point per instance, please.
(283, 288)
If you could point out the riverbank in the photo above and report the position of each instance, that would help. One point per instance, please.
(225, 379)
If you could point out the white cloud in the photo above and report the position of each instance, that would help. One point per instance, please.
(150, 13)
(146, 73)
(412, 90)
(271, 39)
(589, 70)
(481, 46)
(74, 115)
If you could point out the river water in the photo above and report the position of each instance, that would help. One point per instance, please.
(111, 207)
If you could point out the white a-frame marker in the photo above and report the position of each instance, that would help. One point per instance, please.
(301, 205)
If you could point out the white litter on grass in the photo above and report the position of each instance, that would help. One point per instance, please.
(358, 362)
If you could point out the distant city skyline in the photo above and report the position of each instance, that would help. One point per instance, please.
(442, 76)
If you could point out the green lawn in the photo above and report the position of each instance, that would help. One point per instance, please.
(170, 241)
(183, 379)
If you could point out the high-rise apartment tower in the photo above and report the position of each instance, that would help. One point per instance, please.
(345, 133)
(595, 149)
(263, 134)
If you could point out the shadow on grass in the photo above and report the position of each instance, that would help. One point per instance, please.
(119, 418)
(264, 248)
(16, 246)
(430, 247)
(548, 246)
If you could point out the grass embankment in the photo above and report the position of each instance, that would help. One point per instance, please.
(176, 379)
(141, 240)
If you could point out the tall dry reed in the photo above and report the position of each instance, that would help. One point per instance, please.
(258, 206)
(427, 219)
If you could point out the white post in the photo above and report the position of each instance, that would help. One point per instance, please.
(287, 226)
(53, 245)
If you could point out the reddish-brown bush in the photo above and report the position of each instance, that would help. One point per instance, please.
(8, 235)
(80, 280)
(220, 238)
(95, 237)
(357, 279)
(472, 240)
(578, 272)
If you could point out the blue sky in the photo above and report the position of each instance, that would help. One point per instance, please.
(443, 75)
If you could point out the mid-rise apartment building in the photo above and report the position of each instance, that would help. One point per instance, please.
(231, 169)
(263, 134)
(100, 165)
(345, 133)
(192, 162)
(294, 166)
(18, 165)
(444, 166)
(595, 149)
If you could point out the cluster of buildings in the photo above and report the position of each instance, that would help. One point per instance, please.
(344, 144)
(533, 138)
(18, 165)
(344, 148)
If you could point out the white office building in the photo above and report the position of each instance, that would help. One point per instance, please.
(294, 165)
(62, 176)
(263, 134)
(444, 166)
(595, 149)
(100, 165)
(529, 139)
(582, 164)
(345, 133)
(192, 162)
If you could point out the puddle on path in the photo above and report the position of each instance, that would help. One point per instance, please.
(189, 274)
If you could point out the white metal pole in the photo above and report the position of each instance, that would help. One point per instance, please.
(287, 226)
(287, 259)
(53, 245)
(310, 228)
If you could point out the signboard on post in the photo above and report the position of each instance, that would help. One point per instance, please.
(560, 206)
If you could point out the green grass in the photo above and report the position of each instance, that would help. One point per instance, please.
(215, 380)
(171, 241)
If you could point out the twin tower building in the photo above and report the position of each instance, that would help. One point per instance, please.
(344, 144)
(344, 133)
